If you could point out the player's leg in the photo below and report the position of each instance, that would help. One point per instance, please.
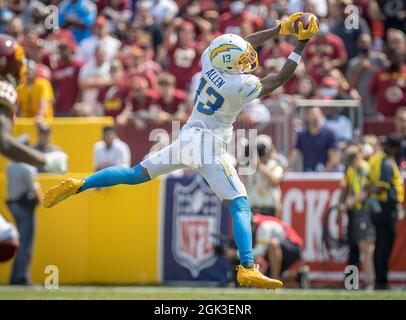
(159, 163)
(223, 179)
(275, 256)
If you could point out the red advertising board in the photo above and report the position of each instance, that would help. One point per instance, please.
(307, 200)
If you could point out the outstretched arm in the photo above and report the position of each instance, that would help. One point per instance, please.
(271, 82)
(274, 81)
(282, 28)
(13, 149)
(258, 38)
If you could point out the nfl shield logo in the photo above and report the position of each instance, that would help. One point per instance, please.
(196, 217)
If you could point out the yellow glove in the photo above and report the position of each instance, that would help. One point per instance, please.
(287, 24)
(306, 34)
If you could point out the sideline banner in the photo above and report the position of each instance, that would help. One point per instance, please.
(193, 218)
(192, 212)
(306, 205)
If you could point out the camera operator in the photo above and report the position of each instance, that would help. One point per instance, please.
(263, 187)
(388, 191)
(277, 247)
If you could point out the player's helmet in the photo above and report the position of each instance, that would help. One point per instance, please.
(232, 54)
(12, 59)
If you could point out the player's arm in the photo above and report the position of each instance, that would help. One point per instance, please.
(13, 149)
(258, 38)
(282, 28)
(273, 81)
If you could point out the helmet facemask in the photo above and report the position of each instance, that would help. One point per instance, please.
(248, 61)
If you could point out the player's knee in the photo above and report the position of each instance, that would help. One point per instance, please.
(146, 173)
(140, 174)
(240, 205)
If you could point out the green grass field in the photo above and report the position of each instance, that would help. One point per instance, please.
(174, 293)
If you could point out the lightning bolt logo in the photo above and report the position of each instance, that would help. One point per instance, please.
(222, 48)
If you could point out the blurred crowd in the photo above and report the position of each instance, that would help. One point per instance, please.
(138, 61)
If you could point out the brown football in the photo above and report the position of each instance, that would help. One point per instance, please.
(305, 19)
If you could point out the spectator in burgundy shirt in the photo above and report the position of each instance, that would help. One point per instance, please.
(52, 42)
(65, 78)
(112, 97)
(139, 98)
(138, 64)
(317, 144)
(324, 51)
(170, 106)
(230, 21)
(184, 54)
(389, 84)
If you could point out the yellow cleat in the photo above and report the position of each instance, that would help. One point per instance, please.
(62, 191)
(253, 277)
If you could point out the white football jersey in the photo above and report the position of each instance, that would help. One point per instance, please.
(221, 96)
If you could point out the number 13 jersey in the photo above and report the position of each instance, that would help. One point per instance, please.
(220, 97)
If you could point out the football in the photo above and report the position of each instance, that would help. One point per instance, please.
(305, 19)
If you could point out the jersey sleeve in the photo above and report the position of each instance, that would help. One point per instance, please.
(250, 88)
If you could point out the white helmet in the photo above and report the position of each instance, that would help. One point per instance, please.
(232, 54)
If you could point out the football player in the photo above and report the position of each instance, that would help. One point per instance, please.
(12, 70)
(225, 86)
